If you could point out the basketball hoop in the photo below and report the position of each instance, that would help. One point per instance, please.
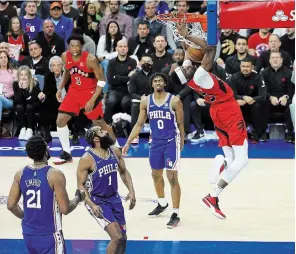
(195, 23)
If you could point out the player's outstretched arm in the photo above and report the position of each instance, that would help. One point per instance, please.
(66, 73)
(178, 107)
(85, 163)
(126, 178)
(138, 126)
(15, 195)
(57, 181)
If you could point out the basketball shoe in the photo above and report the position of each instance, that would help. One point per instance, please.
(211, 204)
(219, 166)
(158, 210)
(174, 221)
(64, 158)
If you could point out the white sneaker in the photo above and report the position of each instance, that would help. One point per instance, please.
(22, 134)
(217, 169)
(29, 134)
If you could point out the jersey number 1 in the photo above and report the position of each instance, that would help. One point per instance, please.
(110, 180)
(31, 201)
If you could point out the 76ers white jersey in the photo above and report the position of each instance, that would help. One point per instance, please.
(162, 118)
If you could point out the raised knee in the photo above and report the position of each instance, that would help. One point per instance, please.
(117, 237)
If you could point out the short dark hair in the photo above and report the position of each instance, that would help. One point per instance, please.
(247, 60)
(158, 74)
(242, 38)
(77, 30)
(146, 55)
(36, 148)
(158, 35)
(143, 22)
(76, 37)
(277, 52)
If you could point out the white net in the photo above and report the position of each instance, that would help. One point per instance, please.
(193, 29)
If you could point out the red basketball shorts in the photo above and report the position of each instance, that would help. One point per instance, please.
(75, 100)
(229, 123)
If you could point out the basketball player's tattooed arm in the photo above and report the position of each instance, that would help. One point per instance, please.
(138, 126)
(57, 182)
(86, 163)
(15, 195)
(65, 78)
(126, 178)
(92, 63)
(178, 107)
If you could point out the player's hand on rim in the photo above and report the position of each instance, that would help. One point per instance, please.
(182, 28)
(131, 196)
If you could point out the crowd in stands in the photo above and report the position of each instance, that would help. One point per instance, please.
(131, 45)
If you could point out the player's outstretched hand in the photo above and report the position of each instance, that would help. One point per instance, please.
(97, 211)
(131, 196)
(80, 194)
(89, 106)
(125, 149)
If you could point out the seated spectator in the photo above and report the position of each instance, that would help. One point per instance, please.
(69, 11)
(233, 63)
(7, 10)
(250, 93)
(89, 45)
(139, 85)
(288, 42)
(124, 21)
(36, 62)
(118, 75)
(183, 92)
(50, 42)
(31, 24)
(63, 25)
(89, 23)
(274, 44)
(280, 90)
(7, 76)
(258, 42)
(161, 58)
(4, 46)
(26, 91)
(160, 6)
(17, 36)
(4, 24)
(50, 105)
(141, 44)
(155, 27)
(106, 49)
(42, 9)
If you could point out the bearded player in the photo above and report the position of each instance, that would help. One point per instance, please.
(226, 115)
(84, 93)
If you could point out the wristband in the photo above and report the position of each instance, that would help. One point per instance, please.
(101, 83)
(78, 194)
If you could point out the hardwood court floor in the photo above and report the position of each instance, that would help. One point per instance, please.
(259, 204)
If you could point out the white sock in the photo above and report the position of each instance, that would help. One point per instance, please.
(64, 138)
(162, 201)
(116, 143)
(216, 192)
(175, 210)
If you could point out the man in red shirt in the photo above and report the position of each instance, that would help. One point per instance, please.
(226, 115)
(258, 42)
(84, 93)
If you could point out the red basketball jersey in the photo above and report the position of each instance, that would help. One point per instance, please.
(18, 41)
(82, 78)
(218, 93)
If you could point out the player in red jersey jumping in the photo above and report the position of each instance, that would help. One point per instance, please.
(84, 93)
(226, 115)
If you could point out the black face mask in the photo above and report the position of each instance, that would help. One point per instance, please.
(180, 62)
(106, 141)
(146, 67)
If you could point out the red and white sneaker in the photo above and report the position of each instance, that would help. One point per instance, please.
(217, 169)
(211, 204)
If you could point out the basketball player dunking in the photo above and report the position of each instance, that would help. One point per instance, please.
(87, 82)
(226, 115)
(45, 199)
(165, 113)
(97, 173)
